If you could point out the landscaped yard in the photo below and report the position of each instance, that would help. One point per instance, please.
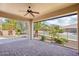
(61, 30)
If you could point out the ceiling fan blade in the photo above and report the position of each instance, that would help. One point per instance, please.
(32, 14)
(35, 12)
(25, 14)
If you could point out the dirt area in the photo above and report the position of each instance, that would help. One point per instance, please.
(72, 44)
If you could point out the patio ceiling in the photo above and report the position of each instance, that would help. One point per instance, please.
(42, 8)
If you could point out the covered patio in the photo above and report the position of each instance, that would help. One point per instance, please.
(29, 46)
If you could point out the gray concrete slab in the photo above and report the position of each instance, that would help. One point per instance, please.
(25, 47)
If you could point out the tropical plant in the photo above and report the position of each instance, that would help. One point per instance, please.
(12, 24)
(44, 27)
(60, 40)
(54, 31)
(9, 24)
(37, 27)
(42, 38)
(40, 26)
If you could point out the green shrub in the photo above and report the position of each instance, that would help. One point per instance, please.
(42, 38)
(60, 40)
(18, 31)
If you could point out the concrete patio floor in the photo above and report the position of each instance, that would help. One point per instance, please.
(25, 47)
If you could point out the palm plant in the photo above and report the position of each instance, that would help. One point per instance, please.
(40, 26)
(9, 25)
(12, 24)
(37, 27)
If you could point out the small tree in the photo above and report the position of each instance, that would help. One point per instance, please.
(54, 31)
(37, 27)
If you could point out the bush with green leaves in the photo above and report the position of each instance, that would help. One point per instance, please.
(18, 31)
(60, 40)
(42, 38)
(54, 32)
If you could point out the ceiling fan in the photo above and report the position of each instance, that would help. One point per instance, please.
(29, 11)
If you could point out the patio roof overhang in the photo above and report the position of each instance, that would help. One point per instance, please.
(46, 10)
(12, 16)
(59, 13)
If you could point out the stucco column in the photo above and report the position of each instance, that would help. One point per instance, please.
(30, 30)
(78, 31)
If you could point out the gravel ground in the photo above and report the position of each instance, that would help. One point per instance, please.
(25, 47)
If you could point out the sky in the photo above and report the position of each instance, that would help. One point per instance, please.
(2, 20)
(64, 21)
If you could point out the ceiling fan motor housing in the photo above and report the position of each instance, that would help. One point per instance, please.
(29, 11)
(29, 7)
